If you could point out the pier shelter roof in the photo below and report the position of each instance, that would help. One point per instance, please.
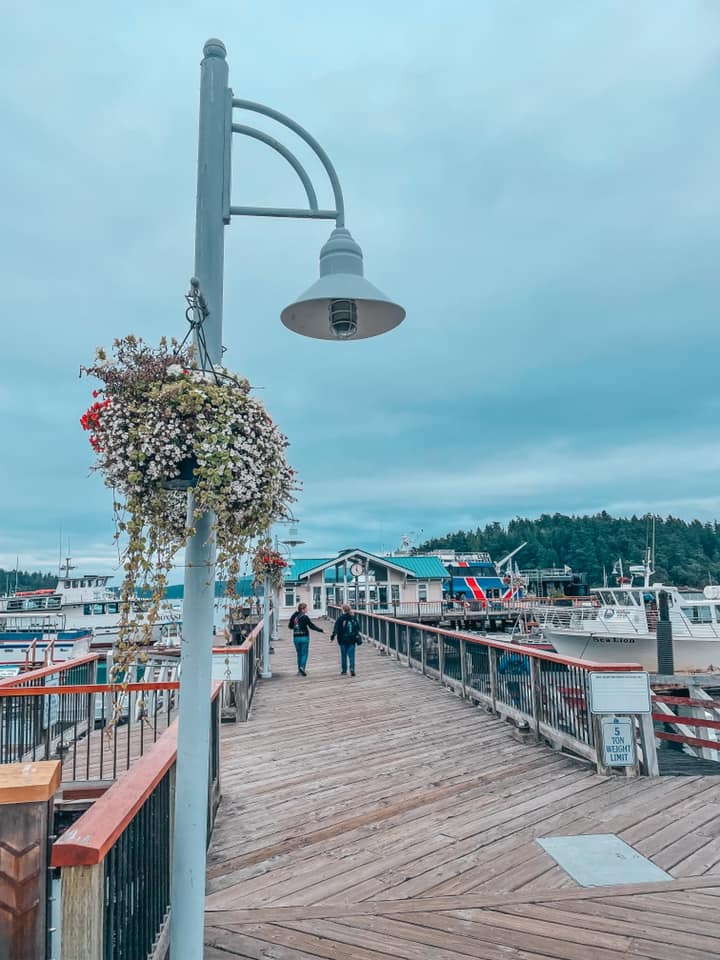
(425, 568)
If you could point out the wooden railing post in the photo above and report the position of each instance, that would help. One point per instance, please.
(82, 918)
(26, 812)
(441, 656)
(463, 669)
(492, 668)
(423, 652)
(650, 765)
(536, 694)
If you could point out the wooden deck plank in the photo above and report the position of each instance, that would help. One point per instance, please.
(381, 816)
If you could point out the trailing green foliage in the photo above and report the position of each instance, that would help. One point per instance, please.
(687, 552)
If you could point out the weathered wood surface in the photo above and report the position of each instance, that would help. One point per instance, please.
(26, 804)
(382, 816)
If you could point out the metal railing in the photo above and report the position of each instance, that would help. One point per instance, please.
(237, 695)
(540, 690)
(459, 609)
(65, 673)
(115, 860)
(96, 730)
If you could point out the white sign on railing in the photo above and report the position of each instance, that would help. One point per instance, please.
(228, 666)
(620, 692)
(618, 742)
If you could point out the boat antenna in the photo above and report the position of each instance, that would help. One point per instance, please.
(653, 543)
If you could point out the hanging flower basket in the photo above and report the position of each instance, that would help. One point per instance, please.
(268, 563)
(159, 426)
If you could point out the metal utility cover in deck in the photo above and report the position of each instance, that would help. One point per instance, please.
(601, 860)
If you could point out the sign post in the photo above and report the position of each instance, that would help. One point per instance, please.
(615, 700)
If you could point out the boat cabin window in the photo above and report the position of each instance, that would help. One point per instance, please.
(697, 614)
(624, 598)
(54, 603)
(67, 584)
(606, 597)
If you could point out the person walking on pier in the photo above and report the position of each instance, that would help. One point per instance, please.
(301, 625)
(347, 631)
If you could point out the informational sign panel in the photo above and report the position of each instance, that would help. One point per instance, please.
(620, 692)
(228, 666)
(6, 672)
(618, 742)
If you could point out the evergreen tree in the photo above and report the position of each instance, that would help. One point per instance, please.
(687, 552)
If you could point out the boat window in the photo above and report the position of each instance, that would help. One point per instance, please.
(67, 584)
(112, 608)
(14, 604)
(54, 602)
(624, 598)
(697, 614)
(607, 597)
(717, 614)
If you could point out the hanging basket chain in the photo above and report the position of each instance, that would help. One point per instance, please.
(196, 314)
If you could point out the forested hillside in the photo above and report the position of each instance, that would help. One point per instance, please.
(687, 552)
(26, 580)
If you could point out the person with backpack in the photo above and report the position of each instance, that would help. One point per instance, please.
(347, 631)
(301, 625)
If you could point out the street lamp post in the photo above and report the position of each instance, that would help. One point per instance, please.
(266, 669)
(341, 305)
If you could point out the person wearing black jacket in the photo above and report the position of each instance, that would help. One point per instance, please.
(301, 624)
(347, 631)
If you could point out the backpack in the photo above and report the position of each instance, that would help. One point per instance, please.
(350, 631)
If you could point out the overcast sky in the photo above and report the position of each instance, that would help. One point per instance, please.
(538, 183)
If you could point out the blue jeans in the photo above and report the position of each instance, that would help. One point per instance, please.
(347, 654)
(302, 645)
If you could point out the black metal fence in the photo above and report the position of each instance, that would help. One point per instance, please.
(128, 837)
(97, 731)
(137, 879)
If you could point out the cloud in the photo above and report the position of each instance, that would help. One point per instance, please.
(536, 183)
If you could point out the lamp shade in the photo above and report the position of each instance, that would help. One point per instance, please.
(342, 304)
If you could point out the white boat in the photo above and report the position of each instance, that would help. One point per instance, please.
(80, 614)
(619, 624)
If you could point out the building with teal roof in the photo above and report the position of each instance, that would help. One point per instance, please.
(352, 576)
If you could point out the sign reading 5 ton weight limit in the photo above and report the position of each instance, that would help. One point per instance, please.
(618, 742)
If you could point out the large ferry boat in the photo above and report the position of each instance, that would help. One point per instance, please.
(78, 615)
(619, 624)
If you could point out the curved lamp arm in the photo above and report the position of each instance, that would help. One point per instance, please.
(284, 152)
(339, 213)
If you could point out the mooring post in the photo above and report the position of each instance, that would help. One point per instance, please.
(666, 660)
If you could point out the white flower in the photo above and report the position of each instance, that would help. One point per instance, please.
(174, 370)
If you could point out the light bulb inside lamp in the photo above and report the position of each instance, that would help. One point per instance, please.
(343, 319)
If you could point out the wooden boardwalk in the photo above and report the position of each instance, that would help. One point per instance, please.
(380, 816)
